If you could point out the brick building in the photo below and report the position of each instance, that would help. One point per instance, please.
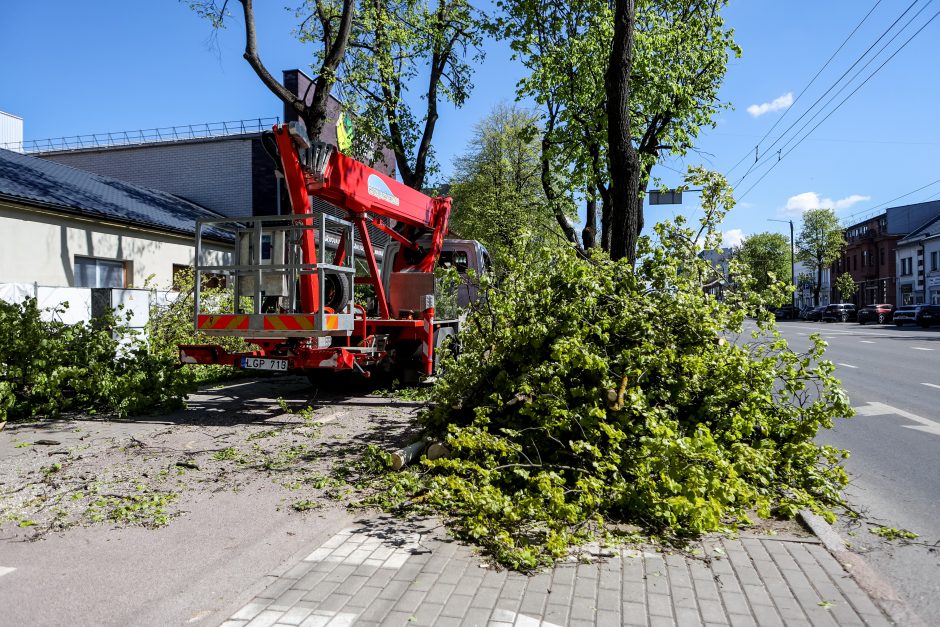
(869, 257)
(872, 252)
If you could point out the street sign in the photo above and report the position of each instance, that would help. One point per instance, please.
(670, 197)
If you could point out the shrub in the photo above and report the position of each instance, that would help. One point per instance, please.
(48, 367)
(590, 391)
(172, 324)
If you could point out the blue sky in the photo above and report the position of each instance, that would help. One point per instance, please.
(74, 68)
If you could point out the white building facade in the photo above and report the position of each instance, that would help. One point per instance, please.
(62, 227)
(918, 263)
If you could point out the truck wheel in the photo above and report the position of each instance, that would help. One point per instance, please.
(336, 291)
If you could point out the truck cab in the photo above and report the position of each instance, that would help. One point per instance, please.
(469, 257)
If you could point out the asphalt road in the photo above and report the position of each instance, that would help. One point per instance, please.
(892, 376)
(225, 540)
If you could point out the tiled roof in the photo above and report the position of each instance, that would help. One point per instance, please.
(49, 184)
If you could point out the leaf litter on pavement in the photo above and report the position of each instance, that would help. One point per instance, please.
(146, 471)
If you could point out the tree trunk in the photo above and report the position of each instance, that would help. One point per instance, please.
(314, 114)
(626, 210)
(818, 284)
(589, 232)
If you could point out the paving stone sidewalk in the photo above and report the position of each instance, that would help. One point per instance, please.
(384, 571)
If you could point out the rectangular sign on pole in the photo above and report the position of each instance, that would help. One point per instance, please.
(670, 197)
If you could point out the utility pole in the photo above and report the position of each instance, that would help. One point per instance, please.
(792, 264)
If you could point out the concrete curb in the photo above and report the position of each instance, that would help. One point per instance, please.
(868, 580)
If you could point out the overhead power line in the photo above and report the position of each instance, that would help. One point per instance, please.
(837, 107)
(806, 87)
(812, 107)
(870, 209)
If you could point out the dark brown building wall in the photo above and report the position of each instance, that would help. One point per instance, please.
(303, 86)
(870, 258)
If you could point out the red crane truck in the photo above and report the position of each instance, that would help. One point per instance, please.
(295, 275)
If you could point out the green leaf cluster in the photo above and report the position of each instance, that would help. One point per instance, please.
(48, 367)
(767, 255)
(172, 324)
(588, 391)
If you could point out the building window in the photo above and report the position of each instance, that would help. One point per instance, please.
(92, 272)
(907, 266)
(882, 256)
(855, 262)
(934, 260)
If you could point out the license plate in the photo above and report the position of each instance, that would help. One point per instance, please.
(261, 363)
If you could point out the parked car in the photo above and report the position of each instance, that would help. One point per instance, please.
(815, 314)
(928, 315)
(839, 312)
(785, 312)
(804, 311)
(906, 314)
(875, 313)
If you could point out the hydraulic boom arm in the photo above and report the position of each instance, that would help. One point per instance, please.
(322, 171)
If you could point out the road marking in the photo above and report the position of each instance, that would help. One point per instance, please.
(801, 334)
(921, 348)
(5, 570)
(880, 409)
(847, 365)
(867, 342)
(933, 385)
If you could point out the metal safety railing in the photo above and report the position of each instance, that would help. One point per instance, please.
(266, 267)
(143, 136)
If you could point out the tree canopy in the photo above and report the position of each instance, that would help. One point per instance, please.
(398, 46)
(496, 186)
(678, 55)
(820, 243)
(326, 22)
(766, 254)
(846, 286)
(375, 52)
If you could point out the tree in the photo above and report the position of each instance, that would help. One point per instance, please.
(766, 254)
(820, 243)
(496, 187)
(618, 85)
(328, 22)
(397, 44)
(846, 286)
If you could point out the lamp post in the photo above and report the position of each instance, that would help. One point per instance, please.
(792, 264)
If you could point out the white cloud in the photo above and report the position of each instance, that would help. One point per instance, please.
(783, 102)
(732, 238)
(796, 205)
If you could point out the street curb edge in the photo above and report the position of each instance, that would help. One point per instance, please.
(864, 575)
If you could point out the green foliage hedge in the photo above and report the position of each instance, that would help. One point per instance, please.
(588, 391)
(49, 367)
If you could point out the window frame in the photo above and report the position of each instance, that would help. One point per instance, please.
(99, 263)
